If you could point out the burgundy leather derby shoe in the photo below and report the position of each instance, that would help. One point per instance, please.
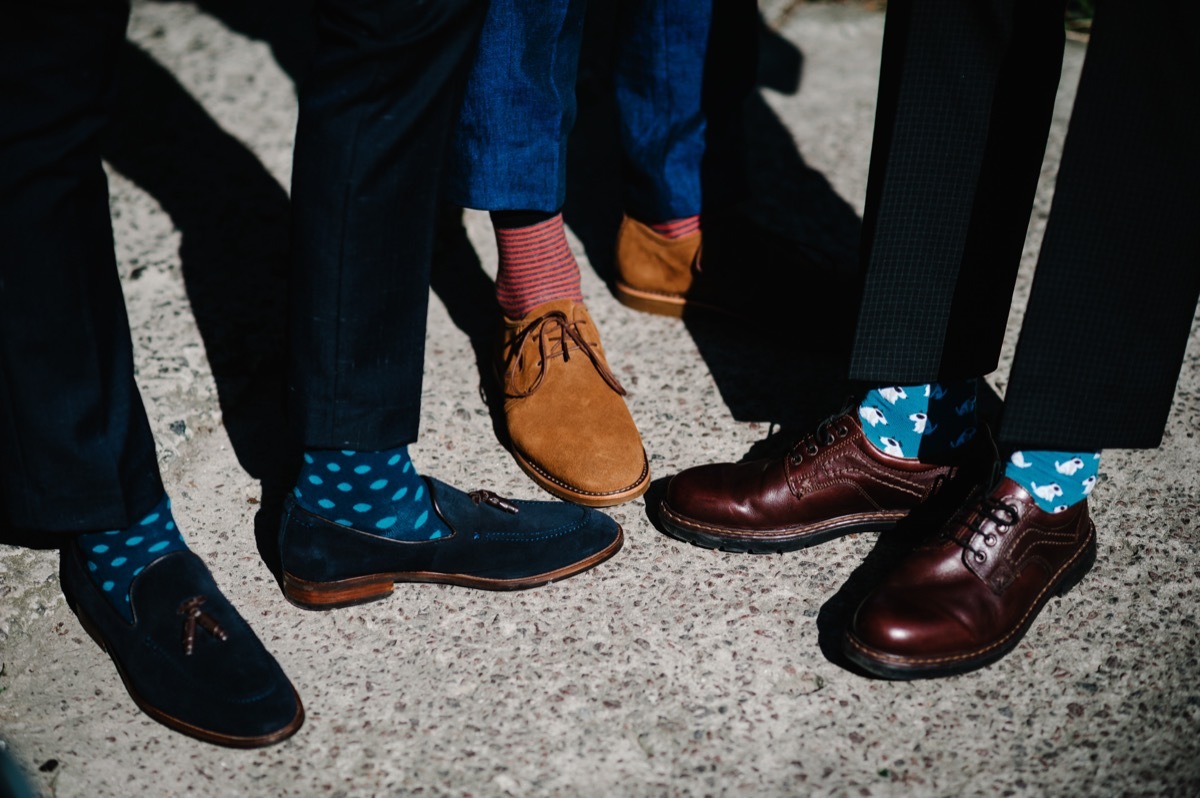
(964, 599)
(833, 482)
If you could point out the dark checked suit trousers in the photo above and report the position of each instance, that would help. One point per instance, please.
(76, 451)
(375, 119)
(965, 102)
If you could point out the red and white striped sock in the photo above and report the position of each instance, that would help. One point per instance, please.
(677, 228)
(536, 266)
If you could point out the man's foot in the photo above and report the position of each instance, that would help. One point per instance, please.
(655, 271)
(567, 421)
(494, 544)
(187, 658)
(965, 599)
(736, 269)
(831, 483)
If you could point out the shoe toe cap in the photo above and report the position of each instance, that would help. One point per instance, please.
(226, 689)
(742, 496)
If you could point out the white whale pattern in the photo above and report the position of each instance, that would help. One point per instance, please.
(1048, 492)
(1018, 459)
(872, 415)
(893, 394)
(921, 423)
(1069, 467)
(891, 446)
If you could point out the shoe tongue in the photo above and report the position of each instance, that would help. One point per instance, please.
(565, 306)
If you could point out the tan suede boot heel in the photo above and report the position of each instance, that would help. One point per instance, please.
(654, 273)
(568, 424)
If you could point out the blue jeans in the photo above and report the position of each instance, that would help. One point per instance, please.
(678, 91)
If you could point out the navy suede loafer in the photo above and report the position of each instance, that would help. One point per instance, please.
(496, 544)
(188, 659)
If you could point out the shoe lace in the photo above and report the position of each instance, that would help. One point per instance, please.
(1002, 514)
(193, 616)
(827, 433)
(553, 330)
(482, 496)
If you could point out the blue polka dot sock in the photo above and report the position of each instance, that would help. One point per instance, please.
(920, 421)
(378, 492)
(115, 557)
(1056, 480)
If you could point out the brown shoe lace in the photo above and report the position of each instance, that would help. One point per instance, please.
(827, 433)
(1003, 514)
(482, 496)
(568, 338)
(193, 616)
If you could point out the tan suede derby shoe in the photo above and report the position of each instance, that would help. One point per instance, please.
(567, 421)
(655, 273)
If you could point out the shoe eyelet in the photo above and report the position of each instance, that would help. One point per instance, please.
(812, 449)
(980, 556)
(796, 459)
(989, 539)
(843, 432)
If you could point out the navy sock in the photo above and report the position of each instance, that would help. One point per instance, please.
(920, 421)
(378, 492)
(115, 557)
(1056, 480)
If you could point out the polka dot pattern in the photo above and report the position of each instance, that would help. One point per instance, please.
(116, 556)
(376, 492)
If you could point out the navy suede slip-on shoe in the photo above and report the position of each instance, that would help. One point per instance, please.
(188, 659)
(496, 544)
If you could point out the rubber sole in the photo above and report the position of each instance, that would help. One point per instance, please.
(373, 587)
(740, 542)
(672, 305)
(890, 666)
(649, 302)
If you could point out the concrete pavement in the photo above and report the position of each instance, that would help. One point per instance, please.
(670, 670)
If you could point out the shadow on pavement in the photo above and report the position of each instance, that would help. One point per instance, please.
(794, 274)
(233, 219)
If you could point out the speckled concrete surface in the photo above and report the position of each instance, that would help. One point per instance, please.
(670, 670)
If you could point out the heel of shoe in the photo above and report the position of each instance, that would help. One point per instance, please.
(330, 595)
(1080, 568)
(650, 303)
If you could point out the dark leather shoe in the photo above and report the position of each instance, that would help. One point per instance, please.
(831, 483)
(188, 659)
(965, 599)
(496, 544)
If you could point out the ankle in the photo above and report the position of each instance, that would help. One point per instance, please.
(1057, 481)
(115, 557)
(536, 264)
(676, 228)
(929, 420)
(378, 492)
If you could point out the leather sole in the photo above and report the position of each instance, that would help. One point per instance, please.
(172, 722)
(891, 666)
(771, 541)
(562, 490)
(372, 587)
